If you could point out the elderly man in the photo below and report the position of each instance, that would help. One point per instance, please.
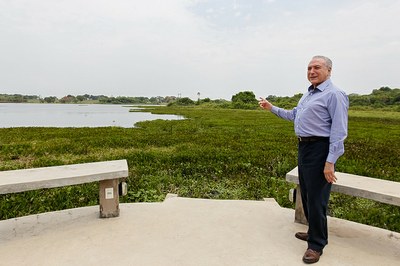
(320, 123)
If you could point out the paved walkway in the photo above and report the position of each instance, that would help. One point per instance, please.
(182, 231)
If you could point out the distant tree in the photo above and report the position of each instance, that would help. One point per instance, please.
(383, 97)
(169, 99)
(185, 101)
(244, 100)
(285, 102)
(81, 98)
(51, 99)
(68, 99)
(157, 100)
(385, 89)
(244, 97)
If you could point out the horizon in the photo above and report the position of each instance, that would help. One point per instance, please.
(176, 96)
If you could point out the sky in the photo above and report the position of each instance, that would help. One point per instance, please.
(184, 47)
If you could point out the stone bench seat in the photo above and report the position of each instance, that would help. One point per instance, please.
(108, 173)
(354, 185)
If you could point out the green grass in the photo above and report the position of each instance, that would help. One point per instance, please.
(214, 153)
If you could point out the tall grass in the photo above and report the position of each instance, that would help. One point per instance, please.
(214, 153)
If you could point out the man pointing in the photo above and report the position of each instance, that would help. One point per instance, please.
(320, 124)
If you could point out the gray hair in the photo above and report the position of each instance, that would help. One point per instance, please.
(328, 62)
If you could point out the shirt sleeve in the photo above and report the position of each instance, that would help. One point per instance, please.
(285, 114)
(338, 110)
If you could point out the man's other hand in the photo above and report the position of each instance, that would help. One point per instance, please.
(329, 172)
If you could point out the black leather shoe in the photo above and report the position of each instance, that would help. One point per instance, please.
(302, 236)
(311, 256)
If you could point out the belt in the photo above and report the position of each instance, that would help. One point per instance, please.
(313, 138)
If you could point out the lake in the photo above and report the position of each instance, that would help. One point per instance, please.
(73, 115)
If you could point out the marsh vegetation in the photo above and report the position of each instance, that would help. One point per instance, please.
(214, 153)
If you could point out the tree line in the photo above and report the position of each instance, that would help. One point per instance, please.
(382, 98)
(85, 98)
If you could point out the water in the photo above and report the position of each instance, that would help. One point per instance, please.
(72, 115)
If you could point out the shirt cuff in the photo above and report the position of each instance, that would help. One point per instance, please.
(332, 158)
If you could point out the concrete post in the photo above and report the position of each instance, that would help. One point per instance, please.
(109, 198)
(299, 216)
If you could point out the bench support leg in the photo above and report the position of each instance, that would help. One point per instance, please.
(299, 216)
(109, 198)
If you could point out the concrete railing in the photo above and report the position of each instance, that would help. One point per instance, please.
(108, 173)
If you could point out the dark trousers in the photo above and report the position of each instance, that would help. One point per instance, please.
(315, 190)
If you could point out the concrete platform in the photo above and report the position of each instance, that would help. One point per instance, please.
(182, 231)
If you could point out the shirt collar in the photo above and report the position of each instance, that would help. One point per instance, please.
(321, 87)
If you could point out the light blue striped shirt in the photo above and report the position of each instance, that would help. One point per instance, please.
(321, 112)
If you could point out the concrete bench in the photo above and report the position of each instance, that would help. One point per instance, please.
(359, 186)
(108, 173)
